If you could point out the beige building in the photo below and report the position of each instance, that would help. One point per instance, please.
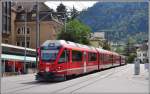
(15, 35)
(97, 39)
(48, 30)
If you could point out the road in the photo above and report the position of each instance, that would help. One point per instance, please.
(115, 80)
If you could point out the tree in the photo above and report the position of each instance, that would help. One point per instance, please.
(76, 31)
(131, 57)
(120, 49)
(61, 11)
(106, 45)
(130, 50)
(74, 13)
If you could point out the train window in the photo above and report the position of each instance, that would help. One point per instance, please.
(101, 57)
(49, 55)
(106, 58)
(64, 57)
(111, 58)
(91, 56)
(76, 56)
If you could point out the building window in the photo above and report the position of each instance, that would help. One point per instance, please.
(6, 41)
(18, 31)
(144, 54)
(21, 30)
(18, 43)
(28, 31)
(28, 44)
(138, 54)
(6, 16)
(23, 44)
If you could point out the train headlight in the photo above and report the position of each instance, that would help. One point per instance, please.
(47, 69)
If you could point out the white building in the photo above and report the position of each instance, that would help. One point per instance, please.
(98, 35)
(142, 53)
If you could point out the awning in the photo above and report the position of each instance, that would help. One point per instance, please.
(17, 57)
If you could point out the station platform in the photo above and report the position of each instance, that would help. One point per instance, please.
(118, 80)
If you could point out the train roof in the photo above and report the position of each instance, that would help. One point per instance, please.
(68, 44)
(106, 51)
(101, 50)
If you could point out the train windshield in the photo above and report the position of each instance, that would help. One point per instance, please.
(49, 55)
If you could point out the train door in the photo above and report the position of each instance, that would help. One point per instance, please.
(112, 60)
(76, 62)
(84, 61)
(63, 62)
(100, 61)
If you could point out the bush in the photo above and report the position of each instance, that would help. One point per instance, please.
(131, 57)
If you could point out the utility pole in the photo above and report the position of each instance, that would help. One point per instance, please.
(65, 20)
(37, 32)
(149, 39)
(1, 39)
(25, 41)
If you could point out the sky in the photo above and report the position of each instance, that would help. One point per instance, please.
(79, 5)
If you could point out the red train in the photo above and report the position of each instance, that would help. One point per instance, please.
(60, 59)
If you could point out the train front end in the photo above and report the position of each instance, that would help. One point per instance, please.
(48, 57)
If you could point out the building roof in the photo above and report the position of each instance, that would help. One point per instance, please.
(17, 47)
(17, 57)
(98, 35)
(29, 6)
(143, 47)
(28, 9)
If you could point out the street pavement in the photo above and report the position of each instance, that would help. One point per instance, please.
(118, 80)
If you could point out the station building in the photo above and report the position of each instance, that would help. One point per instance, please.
(19, 21)
(16, 15)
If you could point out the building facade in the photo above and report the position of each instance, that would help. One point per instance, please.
(97, 39)
(6, 18)
(142, 52)
(19, 28)
(21, 23)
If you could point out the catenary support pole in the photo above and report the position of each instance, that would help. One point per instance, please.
(37, 32)
(25, 41)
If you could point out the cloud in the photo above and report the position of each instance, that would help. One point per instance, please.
(79, 5)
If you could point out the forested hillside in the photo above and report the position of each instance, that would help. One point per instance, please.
(118, 20)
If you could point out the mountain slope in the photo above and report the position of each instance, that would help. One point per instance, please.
(118, 20)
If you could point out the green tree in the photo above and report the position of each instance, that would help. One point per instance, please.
(61, 11)
(131, 57)
(76, 31)
(106, 45)
(130, 50)
(74, 13)
(120, 49)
